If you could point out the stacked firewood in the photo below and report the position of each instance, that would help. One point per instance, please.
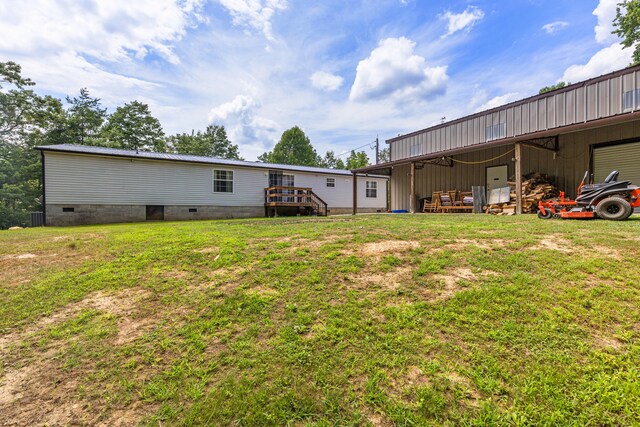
(535, 187)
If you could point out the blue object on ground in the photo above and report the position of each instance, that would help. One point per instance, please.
(400, 211)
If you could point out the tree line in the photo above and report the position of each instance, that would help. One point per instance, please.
(28, 120)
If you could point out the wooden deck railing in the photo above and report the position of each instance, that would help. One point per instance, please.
(294, 197)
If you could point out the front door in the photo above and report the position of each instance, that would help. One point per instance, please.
(496, 177)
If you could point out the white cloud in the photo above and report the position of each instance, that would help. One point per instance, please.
(394, 71)
(609, 59)
(499, 100)
(326, 81)
(108, 30)
(460, 21)
(255, 14)
(606, 12)
(552, 27)
(254, 133)
(68, 72)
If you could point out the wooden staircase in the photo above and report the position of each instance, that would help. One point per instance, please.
(300, 197)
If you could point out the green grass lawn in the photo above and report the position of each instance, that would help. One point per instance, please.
(369, 320)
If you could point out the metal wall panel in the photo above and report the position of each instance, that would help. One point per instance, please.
(580, 104)
(570, 107)
(517, 120)
(465, 133)
(526, 119)
(551, 112)
(510, 122)
(615, 96)
(603, 99)
(592, 102)
(628, 82)
(560, 107)
(542, 114)
(533, 116)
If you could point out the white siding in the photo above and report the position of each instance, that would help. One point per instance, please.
(92, 179)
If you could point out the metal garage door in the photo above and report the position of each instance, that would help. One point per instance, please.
(624, 158)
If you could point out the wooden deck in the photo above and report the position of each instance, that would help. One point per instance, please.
(301, 197)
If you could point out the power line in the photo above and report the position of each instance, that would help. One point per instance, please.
(371, 146)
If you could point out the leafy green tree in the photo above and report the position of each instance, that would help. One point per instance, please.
(552, 87)
(294, 148)
(19, 105)
(328, 161)
(340, 164)
(384, 155)
(132, 127)
(86, 117)
(627, 22)
(213, 142)
(357, 160)
(27, 120)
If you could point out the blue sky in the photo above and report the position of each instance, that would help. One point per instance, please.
(344, 71)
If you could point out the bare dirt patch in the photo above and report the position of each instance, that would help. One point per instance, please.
(21, 256)
(466, 385)
(388, 246)
(21, 268)
(121, 304)
(42, 393)
(608, 252)
(391, 280)
(482, 244)
(556, 243)
(451, 283)
(606, 342)
(210, 250)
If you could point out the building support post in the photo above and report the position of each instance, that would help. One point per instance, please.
(518, 155)
(355, 194)
(412, 202)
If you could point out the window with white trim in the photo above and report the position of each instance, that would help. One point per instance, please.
(222, 181)
(371, 189)
(496, 131)
(331, 182)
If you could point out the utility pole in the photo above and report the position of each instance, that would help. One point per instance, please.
(377, 150)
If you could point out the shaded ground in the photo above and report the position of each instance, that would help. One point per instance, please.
(371, 320)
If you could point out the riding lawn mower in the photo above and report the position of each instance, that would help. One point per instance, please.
(610, 199)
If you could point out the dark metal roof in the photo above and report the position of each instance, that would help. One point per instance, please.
(115, 152)
(519, 102)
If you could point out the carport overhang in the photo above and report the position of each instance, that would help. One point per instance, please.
(547, 140)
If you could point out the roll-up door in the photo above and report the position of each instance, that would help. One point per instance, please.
(624, 158)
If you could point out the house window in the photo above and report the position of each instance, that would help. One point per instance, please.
(631, 100)
(222, 181)
(416, 150)
(372, 189)
(331, 182)
(496, 131)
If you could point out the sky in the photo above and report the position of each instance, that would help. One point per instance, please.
(344, 71)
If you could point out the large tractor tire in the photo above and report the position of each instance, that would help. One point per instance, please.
(614, 208)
